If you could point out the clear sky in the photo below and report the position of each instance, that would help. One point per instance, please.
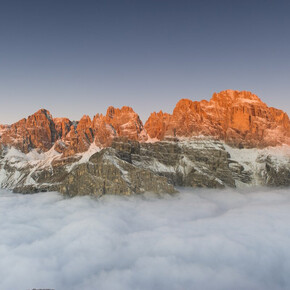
(79, 57)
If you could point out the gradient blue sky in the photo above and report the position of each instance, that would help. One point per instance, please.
(79, 57)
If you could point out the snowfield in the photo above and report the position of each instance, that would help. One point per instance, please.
(198, 239)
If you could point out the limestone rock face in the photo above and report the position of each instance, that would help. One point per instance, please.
(241, 119)
(157, 125)
(106, 173)
(195, 164)
(102, 130)
(79, 138)
(3, 129)
(62, 126)
(41, 131)
(273, 175)
(198, 145)
(37, 131)
(126, 123)
(130, 167)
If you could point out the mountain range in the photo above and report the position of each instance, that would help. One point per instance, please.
(116, 153)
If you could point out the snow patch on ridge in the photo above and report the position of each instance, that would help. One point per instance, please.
(254, 160)
(26, 166)
(248, 157)
(85, 156)
(33, 158)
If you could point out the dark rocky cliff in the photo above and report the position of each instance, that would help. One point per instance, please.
(129, 167)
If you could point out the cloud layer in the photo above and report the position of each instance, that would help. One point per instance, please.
(202, 239)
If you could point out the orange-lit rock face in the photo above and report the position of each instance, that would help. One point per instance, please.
(41, 131)
(79, 137)
(126, 123)
(37, 131)
(102, 130)
(239, 118)
(62, 126)
(157, 125)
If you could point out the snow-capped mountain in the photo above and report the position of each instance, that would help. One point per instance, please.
(232, 140)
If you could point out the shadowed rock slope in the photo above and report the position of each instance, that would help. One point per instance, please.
(130, 167)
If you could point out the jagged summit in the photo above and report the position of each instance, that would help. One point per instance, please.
(41, 131)
(44, 112)
(115, 153)
(239, 118)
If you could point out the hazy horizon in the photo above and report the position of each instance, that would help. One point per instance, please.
(79, 57)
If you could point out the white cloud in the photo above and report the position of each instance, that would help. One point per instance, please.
(202, 239)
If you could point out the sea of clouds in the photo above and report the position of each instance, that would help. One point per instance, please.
(198, 239)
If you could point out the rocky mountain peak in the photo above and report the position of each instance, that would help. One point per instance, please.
(110, 112)
(113, 112)
(238, 118)
(230, 97)
(125, 121)
(37, 131)
(84, 123)
(44, 112)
